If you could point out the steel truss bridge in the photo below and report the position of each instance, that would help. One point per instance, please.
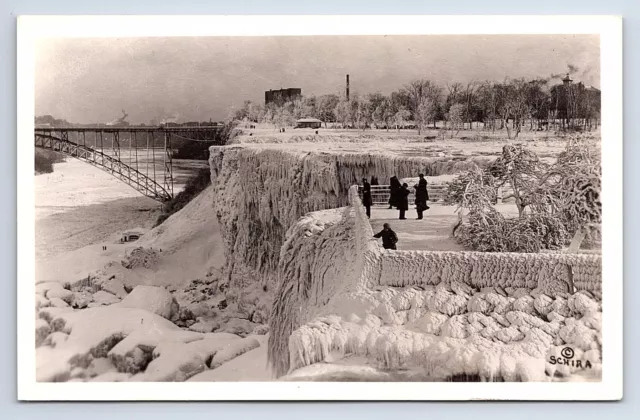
(141, 157)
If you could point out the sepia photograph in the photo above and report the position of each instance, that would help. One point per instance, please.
(413, 209)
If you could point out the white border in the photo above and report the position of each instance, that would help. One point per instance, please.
(608, 27)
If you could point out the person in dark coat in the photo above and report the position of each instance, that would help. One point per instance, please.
(394, 188)
(374, 180)
(366, 196)
(403, 200)
(389, 237)
(422, 195)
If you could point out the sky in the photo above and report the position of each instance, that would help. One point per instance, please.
(90, 80)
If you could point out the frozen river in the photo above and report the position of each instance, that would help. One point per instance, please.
(79, 204)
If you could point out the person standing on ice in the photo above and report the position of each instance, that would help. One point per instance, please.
(403, 200)
(389, 237)
(394, 189)
(422, 195)
(366, 196)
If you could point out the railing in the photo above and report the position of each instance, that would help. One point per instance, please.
(380, 193)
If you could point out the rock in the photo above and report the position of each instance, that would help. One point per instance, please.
(49, 367)
(241, 327)
(183, 314)
(112, 377)
(147, 338)
(56, 338)
(156, 300)
(50, 313)
(133, 361)
(115, 287)
(42, 331)
(78, 372)
(43, 288)
(41, 301)
(200, 309)
(81, 299)
(64, 294)
(94, 305)
(233, 349)
(58, 303)
(94, 332)
(260, 330)
(105, 298)
(100, 366)
(141, 257)
(204, 326)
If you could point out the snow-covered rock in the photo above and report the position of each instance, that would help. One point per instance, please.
(43, 288)
(204, 326)
(156, 300)
(50, 367)
(112, 377)
(115, 287)
(42, 331)
(178, 362)
(58, 303)
(81, 299)
(135, 351)
(60, 293)
(41, 301)
(56, 339)
(105, 298)
(233, 349)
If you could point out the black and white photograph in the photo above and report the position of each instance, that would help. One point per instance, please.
(413, 209)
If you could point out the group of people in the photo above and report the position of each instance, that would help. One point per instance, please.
(399, 196)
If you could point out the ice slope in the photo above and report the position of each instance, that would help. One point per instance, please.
(185, 247)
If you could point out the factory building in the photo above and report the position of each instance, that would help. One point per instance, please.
(281, 96)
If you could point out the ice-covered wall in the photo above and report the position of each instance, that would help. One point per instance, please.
(551, 273)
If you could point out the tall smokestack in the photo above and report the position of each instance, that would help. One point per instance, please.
(347, 87)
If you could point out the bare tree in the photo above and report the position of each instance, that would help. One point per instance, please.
(455, 118)
(425, 113)
(401, 117)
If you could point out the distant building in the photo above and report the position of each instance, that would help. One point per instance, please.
(308, 123)
(282, 95)
(131, 235)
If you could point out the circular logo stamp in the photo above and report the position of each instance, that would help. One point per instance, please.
(567, 353)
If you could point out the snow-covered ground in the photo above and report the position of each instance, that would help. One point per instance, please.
(219, 258)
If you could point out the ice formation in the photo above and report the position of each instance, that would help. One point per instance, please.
(496, 316)
(261, 192)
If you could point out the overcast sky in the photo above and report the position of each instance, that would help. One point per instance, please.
(91, 80)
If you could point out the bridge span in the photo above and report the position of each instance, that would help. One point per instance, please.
(140, 156)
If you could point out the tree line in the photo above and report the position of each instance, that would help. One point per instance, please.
(512, 105)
